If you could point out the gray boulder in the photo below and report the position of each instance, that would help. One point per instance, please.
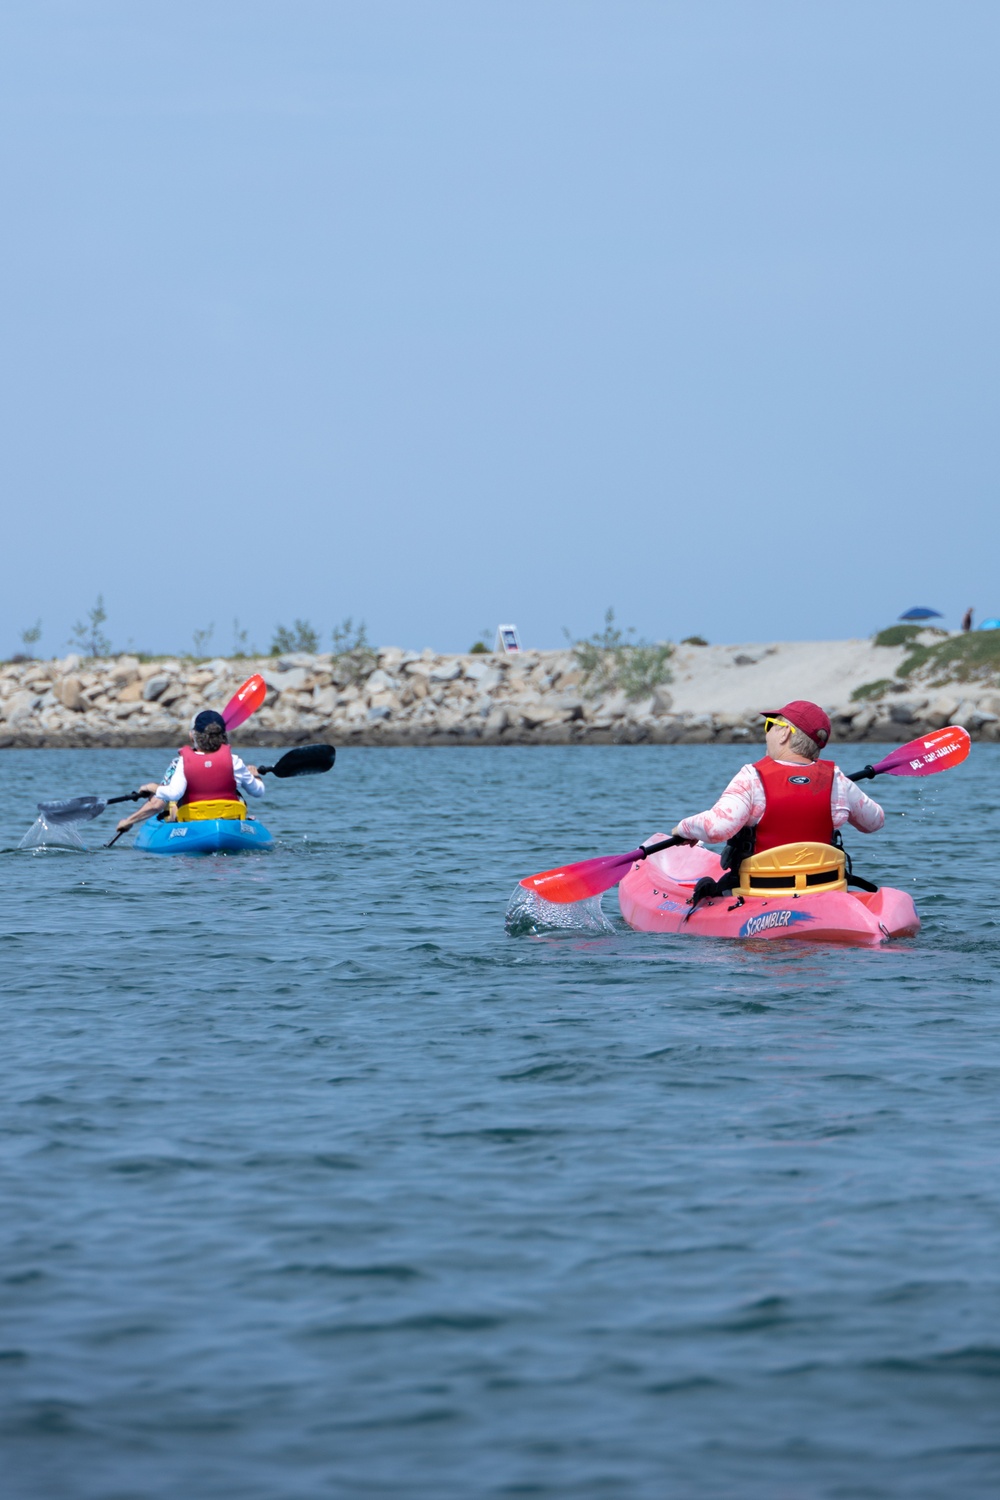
(20, 707)
(154, 687)
(294, 659)
(284, 682)
(70, 694)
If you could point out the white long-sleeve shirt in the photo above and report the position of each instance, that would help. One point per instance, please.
(174, 784)
(743, 802)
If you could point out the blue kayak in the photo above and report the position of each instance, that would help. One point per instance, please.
(213, 836)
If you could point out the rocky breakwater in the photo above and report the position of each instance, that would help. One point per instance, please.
(386, 697)
(395, 697)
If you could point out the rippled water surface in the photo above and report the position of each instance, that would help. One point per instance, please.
(315, 1183)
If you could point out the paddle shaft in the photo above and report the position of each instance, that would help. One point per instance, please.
(306, 771)
(589, 877)
(670, 843)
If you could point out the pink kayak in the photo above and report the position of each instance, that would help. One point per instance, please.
(654, 896)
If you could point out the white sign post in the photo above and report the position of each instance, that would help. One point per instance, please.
(507, 640)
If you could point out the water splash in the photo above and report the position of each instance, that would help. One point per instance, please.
(528, 914)
(42, 835)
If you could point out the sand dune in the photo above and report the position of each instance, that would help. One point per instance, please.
(733, 679)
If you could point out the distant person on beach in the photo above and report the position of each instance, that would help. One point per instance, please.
(789, 797)
(204, 780)
(967, 618)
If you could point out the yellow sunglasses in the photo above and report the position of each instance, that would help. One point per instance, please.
(770, 724)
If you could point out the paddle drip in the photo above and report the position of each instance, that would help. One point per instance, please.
(529, 914)
(42, 835)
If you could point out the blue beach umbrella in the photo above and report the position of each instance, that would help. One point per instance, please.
(990, 625)
(922, 614)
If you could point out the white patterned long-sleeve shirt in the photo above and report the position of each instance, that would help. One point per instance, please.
(743, 802)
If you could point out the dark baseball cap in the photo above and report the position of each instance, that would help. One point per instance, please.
(207, 719)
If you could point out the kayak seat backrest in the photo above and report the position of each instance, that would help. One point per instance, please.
(792, 868)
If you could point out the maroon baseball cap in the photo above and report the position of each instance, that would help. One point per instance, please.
(808, 717)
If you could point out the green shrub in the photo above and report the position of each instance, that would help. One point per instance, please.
(902, 635)
(201, 639)
(872, 689)
(88, 636)
(30, 638)
(479, 648)
(974, 656)
(694, 640)
(608, 661)
(241, 641)
(356, 658)
(301, 637)
(919, 656)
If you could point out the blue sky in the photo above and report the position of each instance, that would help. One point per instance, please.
(438, 314)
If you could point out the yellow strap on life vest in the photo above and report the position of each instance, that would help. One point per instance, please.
(792, 869)
(200, 812)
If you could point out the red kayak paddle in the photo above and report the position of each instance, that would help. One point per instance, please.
(923, 757)
(244, 702)
(590, 876)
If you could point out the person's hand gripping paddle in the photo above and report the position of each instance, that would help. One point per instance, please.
(926, 756)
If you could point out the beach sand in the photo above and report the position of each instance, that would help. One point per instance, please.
(734, 679)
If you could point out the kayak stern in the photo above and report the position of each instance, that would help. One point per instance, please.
(210, 836)
(654, 894)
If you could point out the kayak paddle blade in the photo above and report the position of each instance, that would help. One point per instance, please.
(577, 882)
(75, 810)
(928, 755)
(244, 702)
(304, 760)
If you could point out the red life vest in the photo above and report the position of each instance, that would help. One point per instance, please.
(798, 803)
(209, 777)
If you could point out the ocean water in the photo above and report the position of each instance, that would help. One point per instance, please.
(314, 1183)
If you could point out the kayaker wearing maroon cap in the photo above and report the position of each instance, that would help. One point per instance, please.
(788, 797)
